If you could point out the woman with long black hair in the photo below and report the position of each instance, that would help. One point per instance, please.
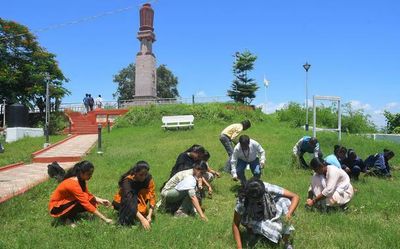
(72, 195)
(264, 209)
(136, 197)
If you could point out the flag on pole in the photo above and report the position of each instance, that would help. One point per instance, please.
(266, 82)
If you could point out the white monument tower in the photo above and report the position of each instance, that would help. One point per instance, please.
(145, 76)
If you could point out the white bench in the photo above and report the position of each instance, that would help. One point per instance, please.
(177, 121)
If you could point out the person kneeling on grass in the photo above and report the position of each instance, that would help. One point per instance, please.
(178, 195)
(330, 186)
(72, 195)
(264, 209)
(137, 191)
(378, 164)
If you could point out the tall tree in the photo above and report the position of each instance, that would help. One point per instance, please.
(166, 83)
(243, 87)
(26, 67)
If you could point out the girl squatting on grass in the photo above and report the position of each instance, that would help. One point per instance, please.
(136, 193)
(264, 209)
(178, 195)
(72, 196)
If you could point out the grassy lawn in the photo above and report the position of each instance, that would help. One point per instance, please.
(372, 221)
(21, 150)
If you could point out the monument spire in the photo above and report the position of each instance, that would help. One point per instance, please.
(145, 73)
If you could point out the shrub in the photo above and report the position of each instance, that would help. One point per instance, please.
(353, 121)
(213, 113)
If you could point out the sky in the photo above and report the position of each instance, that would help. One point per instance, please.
(353, 46)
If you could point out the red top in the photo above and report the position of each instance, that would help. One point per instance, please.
(70, 190)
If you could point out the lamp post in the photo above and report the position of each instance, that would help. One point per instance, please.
(47, 118)
(4, 114)
(306, 67)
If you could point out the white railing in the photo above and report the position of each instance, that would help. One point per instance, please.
(79, 107)
(387, 137)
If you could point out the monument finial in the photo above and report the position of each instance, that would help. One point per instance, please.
(146, 17)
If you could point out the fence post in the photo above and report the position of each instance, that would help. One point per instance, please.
(108, 126)
(192, 99)
(99, 139)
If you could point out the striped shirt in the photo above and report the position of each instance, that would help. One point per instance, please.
(274, 228)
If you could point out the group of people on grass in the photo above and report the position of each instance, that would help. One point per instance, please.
(263, 208)
(343, 158)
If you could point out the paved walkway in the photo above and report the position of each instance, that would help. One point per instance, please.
(19, 179)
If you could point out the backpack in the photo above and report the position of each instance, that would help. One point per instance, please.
(54, 170)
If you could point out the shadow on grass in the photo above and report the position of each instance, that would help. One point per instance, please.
(235, 188)
(251, 240)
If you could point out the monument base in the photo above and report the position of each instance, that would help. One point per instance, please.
(17, 133)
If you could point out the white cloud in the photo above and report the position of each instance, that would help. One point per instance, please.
(201, 94)
(271, 107)
(355, 104)
(391, 106)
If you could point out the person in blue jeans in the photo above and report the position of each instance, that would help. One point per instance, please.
(247, 151)
(353, 165)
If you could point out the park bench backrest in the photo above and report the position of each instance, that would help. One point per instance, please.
(178, 121)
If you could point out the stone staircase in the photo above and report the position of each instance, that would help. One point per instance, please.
(81, 124)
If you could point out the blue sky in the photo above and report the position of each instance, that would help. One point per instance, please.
(353, 46)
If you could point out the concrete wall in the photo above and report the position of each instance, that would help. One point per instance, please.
(389, 137)
(16, 133)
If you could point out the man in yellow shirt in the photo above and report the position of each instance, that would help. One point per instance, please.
(228, 135)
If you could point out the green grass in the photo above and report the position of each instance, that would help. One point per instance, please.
(21, 150)
(371, 222)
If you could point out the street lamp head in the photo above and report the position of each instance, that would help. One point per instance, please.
(306, 66)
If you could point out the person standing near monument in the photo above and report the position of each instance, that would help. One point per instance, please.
(90, 102)
(86, 103)
(228, 135)
(98, 102)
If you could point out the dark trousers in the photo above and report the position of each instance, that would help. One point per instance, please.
(227, 143)
(73, 212)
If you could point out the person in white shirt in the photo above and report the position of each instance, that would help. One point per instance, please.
(179, 193)
(247, 151)
(98, 102)
(330, 186)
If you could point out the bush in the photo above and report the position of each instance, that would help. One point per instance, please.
(353, 121)
(58, 122)
(213, 113)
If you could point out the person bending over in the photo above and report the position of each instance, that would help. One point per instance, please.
(247, 151)
(178, 195)
(136, 197)
(378, 164)
(227, 137)
(353, 165)
(330, 186)
(305, 144)
(266, 210)
(72, 196)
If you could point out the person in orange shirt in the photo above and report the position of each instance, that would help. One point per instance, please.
(72, 195)
(137, 191)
